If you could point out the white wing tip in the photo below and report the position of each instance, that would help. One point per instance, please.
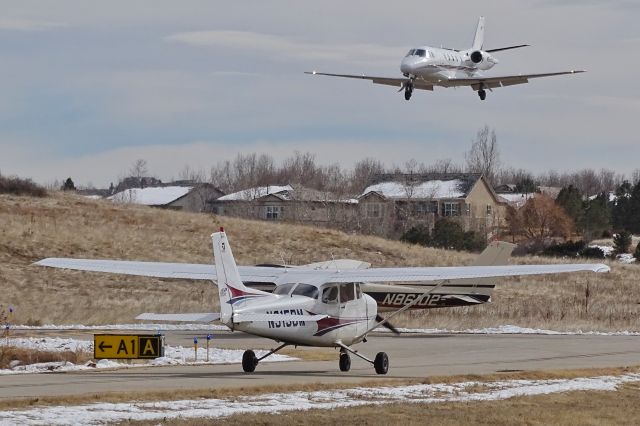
(601, 267)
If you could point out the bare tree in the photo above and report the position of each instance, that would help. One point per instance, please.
(483, 157)
(139, 170)
(189, 174)
(363, 173)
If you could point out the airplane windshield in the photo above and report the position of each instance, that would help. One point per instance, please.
(347, 292)
(421, 52)
(411, 52)
(283, 289)
(305, 290)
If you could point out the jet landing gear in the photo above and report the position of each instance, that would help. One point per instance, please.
(380, 363)
(408, 91)
(250, 361)
(483, 94)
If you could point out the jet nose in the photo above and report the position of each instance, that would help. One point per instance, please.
(406, 67)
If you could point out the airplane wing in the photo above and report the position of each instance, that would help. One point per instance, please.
(426, 274)
(388, 81)
(303, 274)
(195, 317)
(500, 81)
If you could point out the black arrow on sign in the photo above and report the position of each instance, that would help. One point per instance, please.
(102, 346)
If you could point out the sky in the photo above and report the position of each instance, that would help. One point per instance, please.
(86, 88)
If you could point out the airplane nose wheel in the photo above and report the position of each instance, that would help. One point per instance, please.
(408, 91)
(249, 361)
(345, 361)
(483, 94)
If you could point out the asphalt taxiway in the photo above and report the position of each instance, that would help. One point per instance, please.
(410, 355)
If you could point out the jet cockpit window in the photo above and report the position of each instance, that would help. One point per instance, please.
(305, 290)
(411, 52)
(421, 52)
(347, 292)
(283, 289)
(330, 294)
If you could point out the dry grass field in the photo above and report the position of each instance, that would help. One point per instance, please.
(70, 226)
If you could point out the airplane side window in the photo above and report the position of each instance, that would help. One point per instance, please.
(358, 291)
(346, 292)
(330, 295)
(305, 290)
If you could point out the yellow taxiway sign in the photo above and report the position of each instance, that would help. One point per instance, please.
(126, 346)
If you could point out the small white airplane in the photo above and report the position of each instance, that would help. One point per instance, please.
(426, 67)
(317, 305)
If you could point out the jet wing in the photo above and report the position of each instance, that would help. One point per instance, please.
(500, 81)
(388, 81)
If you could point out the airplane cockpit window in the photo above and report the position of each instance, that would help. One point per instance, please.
(411, 52)
(305, 290)
(283, 289)
(347, 292)
(358, 291)
(330, 295)
(421, 52)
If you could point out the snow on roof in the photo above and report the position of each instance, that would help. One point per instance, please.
(152, 196)
(253, 193)
(517, 199)
(430, 189)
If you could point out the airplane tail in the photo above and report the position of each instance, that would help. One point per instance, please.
(478, 40)
(497, 253)
(230, 286)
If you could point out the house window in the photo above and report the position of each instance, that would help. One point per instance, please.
(374, 210)
(422, 208)
(434, 207)
(488, 210)
(467, 209)
(273, 212)
(451, 209)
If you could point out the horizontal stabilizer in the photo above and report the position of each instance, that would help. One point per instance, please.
(197, 317)
(507, 48)
(240, 317)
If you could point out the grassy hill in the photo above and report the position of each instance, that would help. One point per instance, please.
(64, 225)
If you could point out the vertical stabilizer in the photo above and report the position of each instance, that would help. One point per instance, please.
(230, 286)
(478, 40)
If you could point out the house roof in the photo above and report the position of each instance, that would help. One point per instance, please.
(425, 186)
(151, 196)
(257, 192)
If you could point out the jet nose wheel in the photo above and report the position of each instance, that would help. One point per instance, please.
(249, 361)
(483, 94)
(408, 91)
(345, 362)
(381, 363)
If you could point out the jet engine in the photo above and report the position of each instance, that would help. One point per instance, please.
(476, 56)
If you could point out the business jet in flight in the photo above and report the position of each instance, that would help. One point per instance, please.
(426, 67)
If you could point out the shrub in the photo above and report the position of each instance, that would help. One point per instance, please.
(568, 249)
(417, 235)
(621, 242)
(447, 234)
(17, 186)
(636, 254)
(592, 253)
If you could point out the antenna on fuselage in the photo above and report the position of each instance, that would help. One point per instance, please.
(333, 259)
(284, 262)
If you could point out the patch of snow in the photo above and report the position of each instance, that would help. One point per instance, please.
(102, 413)
(253, 193)
(432, 189)
(151, 196)
(517, 199)
(174, 355)
(607, 250)
(625, 258)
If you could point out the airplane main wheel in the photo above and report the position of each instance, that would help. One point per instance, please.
(345, 362)
(381, 363)
(483, 94)
(249, 361)
(407, 94)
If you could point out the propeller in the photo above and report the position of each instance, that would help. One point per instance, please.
(387, 324)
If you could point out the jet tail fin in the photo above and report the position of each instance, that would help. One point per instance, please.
(478, 40)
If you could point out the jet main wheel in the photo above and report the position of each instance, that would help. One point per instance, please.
(381, 363)
(483, 94)
(407, 93)
(345, 362)
(249, 361)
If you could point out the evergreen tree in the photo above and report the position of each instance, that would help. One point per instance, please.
(632, 223)
(621, 206)
(526, 185)
(636, 254)
(570, 199)
(417, 235)
(621, 242)
(447, 234)
(595, 218)
(68, 185)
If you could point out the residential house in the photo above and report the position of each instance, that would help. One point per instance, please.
(193, 197)
(395, 203)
